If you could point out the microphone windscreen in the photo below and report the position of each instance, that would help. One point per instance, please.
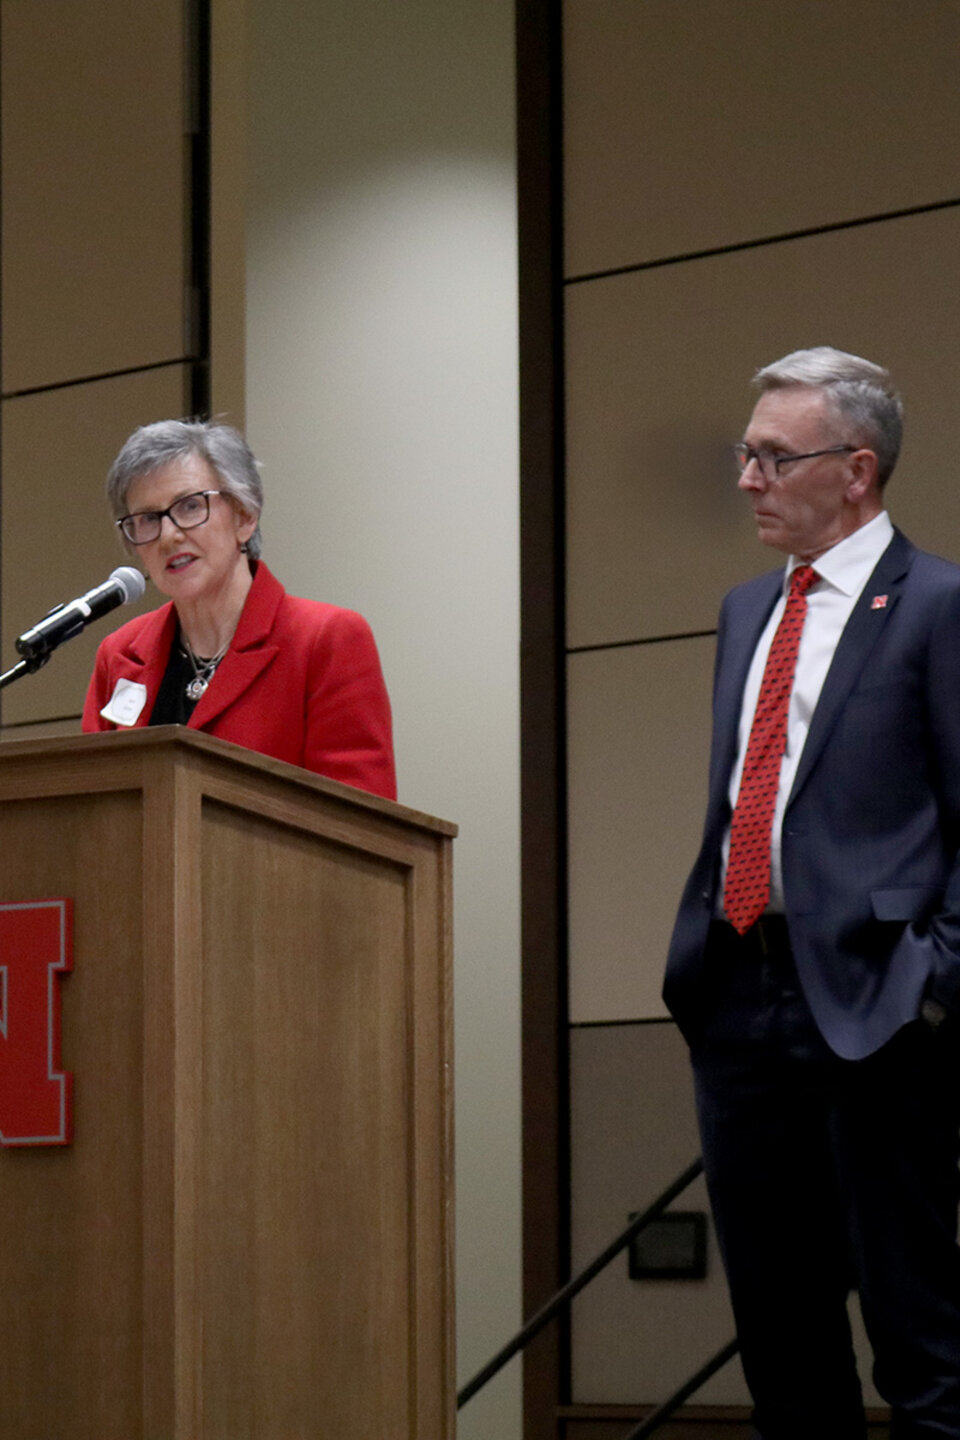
(131, 582)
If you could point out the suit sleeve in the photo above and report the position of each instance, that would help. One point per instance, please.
(348, 724)
(936, 945)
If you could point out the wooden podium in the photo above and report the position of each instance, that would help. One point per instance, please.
(250, 1236)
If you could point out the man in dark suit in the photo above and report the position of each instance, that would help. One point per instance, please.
(815, 964)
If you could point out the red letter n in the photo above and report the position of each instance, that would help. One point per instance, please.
(35, 946)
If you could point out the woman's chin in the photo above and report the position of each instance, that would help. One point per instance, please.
(180, 585)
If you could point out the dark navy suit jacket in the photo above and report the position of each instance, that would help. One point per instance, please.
(871, 832)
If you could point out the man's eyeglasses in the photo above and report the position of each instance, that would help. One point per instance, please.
(186, 513)
(770, 461)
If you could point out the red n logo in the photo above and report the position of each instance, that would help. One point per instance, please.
(35, 945)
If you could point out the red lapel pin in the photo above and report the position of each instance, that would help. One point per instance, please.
(879, 602)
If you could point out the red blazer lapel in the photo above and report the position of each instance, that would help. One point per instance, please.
(250, 652)
(144, 658)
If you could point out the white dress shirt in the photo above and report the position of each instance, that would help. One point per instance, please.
(844, 571)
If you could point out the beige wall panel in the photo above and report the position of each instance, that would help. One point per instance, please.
(382, 400)
(58, 540)
(658, 367)
(633, 1130)
(639, 735)
(695, 125)
(93, 187)
(42, 730)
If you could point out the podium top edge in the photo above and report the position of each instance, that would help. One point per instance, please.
(180, 736)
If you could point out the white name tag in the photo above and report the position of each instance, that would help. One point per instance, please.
(126, 702)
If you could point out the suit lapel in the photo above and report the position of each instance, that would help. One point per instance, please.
(860, 634)
(250, 652)
(235, 674)
(144, 658)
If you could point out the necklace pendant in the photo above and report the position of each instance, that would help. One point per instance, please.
(203, 670)
(197, 687)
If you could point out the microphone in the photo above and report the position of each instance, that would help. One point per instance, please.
(66, 621)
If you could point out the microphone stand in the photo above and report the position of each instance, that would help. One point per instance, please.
(37, 644)
(65, 622)
(24, 667)
(33, 662)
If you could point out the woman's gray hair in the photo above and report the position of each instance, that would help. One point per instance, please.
(861, 394)
(223, 448)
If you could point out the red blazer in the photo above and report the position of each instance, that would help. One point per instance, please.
(301, 682)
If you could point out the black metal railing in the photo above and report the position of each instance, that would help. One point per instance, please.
(663, 1412)
(563, 1297)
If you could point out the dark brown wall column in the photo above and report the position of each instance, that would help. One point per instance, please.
(544, 1039)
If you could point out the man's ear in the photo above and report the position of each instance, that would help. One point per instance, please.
(863, 474)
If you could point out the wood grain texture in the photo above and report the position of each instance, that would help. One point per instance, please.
(70, 1272)
(251, 1235)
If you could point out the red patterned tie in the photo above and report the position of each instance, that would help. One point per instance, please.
(747, 887)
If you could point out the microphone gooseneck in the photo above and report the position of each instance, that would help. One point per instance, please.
(65, 621)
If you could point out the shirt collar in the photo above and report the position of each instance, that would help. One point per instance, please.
(848, 565)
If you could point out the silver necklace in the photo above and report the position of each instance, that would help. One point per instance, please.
(203, 670)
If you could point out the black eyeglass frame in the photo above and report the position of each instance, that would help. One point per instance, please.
(159, 514)
(744, 453)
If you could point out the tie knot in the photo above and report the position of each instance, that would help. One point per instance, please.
(802, 578)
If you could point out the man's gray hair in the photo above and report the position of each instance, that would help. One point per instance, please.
(861, 394)
(223, 448)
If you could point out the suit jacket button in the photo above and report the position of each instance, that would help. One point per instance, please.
(933, 1013)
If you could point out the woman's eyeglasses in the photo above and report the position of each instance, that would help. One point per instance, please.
(187, 513)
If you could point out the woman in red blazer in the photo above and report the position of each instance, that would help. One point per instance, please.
(232, 653)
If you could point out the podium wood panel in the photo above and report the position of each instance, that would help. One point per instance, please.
(250, 1237)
